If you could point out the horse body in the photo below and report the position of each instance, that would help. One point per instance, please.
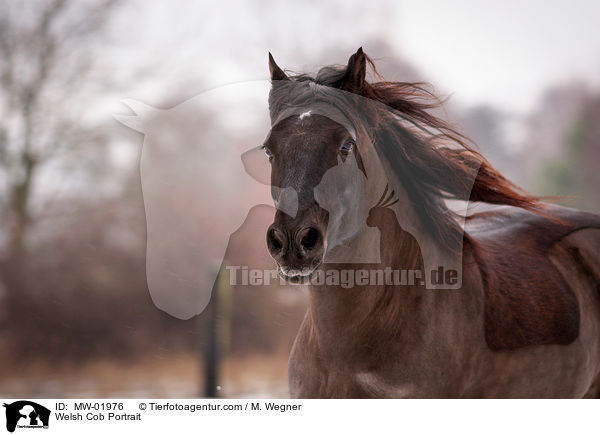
(436, 346)
(524, 320)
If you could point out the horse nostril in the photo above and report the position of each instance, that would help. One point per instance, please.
(275, 240)
(309, 237)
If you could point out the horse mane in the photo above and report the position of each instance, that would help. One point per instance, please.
(433, 161)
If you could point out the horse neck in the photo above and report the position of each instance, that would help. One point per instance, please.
(342, 318)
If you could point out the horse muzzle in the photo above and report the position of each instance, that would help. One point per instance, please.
(297, 247)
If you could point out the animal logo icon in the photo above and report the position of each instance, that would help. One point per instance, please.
(24, 413)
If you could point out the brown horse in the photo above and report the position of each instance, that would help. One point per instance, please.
(525, 318)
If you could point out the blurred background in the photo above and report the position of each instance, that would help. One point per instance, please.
(76, 317)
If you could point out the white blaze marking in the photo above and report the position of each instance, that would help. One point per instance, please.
(304, 115)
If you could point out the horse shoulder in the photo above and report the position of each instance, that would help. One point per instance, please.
(313, 375)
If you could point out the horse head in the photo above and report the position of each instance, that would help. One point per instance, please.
(313, 150)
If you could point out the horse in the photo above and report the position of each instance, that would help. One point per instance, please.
(522, 321)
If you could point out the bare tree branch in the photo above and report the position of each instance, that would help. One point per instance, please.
(44, 53)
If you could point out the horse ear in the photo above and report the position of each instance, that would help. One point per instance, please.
(356, 72)
(276, 72)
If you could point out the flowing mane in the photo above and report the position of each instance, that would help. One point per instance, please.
(433, 161)
(527, 274)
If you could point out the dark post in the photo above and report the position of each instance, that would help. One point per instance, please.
(211, 353)
(219, 311)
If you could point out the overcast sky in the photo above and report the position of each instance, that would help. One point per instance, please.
(503, 53)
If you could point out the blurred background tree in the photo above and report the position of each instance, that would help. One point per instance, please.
(46, 81)
(574, 171)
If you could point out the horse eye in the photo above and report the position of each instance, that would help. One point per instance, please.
(347, 146)
(268, 152)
